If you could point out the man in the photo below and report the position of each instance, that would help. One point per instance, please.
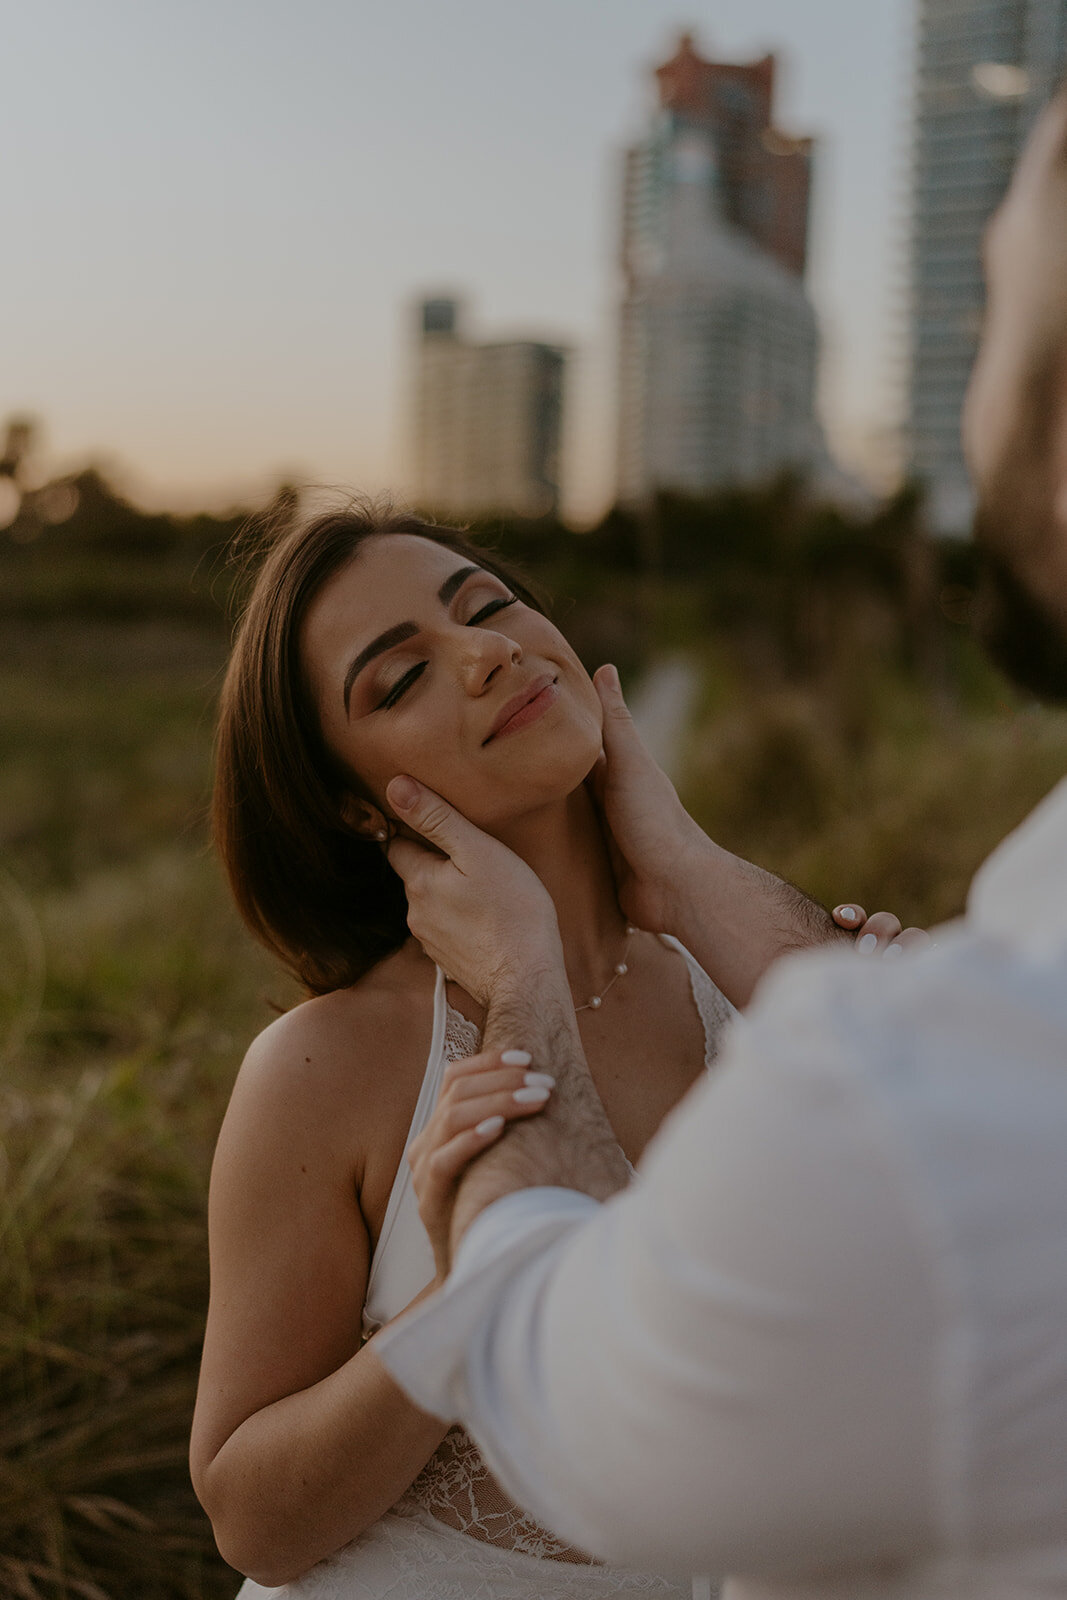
(821, 1344)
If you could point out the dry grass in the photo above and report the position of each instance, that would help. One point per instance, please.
(128, 995)
(899, 817)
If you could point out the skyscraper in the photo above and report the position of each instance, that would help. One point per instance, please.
(487, 421)
(983, 70)
(718, 343)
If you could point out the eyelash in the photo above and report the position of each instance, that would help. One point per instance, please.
(401, 687)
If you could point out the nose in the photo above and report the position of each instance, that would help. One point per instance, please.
(484, 655)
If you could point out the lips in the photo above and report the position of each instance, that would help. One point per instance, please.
(510, 716)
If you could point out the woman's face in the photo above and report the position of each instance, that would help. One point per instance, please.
(420, 662)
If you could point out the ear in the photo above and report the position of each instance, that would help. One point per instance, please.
(364, 818)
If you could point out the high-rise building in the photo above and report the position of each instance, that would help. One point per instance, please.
(984, 68)
(487, 421)
(719, 343)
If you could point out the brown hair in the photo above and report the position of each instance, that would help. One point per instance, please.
(319, 895)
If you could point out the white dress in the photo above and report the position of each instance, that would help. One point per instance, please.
(454, 1535)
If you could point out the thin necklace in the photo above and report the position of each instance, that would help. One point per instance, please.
(595, 1001)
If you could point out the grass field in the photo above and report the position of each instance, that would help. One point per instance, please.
(128, 993)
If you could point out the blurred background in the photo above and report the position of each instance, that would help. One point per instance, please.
(674, 306)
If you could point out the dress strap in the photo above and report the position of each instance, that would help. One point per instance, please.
(714, 1009)
(431, 1085)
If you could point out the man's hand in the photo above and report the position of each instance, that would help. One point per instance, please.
(654, 842)
(475, 908)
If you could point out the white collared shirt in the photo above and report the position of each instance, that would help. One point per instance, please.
(821, 1343)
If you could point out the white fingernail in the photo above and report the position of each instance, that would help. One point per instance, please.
(846, 913)
(490, 1125)
(516, 1058)
(895, 950)
(539, 1080)
(868, 943)
(530, 1097)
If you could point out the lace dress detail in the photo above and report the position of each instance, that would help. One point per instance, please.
(455, 1486)
(715, 1012)
(461, 1037)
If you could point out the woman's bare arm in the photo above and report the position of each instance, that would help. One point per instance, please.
(299, 1442)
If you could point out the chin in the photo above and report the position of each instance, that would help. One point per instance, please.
(542, 773)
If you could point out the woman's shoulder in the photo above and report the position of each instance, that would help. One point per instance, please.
(351, 1044)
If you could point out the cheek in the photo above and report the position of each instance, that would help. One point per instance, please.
(431, 759)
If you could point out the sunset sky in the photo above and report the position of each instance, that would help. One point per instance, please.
(218, 214)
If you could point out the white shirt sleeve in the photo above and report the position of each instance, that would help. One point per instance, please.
(729, 1367)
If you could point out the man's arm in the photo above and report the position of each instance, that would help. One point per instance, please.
(570, 1144)
(730, 1366)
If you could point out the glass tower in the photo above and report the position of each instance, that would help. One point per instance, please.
(984, 69)
(718, 340)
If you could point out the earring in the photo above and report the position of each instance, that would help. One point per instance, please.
(381, 836)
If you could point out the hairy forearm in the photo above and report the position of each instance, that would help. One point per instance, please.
(304, 1476)
(571, 1144)
(737, 919)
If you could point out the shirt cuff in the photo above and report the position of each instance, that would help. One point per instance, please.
(426, 1349)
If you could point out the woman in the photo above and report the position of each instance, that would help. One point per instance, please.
(374, 644)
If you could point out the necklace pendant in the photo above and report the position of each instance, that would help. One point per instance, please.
(594, 1003)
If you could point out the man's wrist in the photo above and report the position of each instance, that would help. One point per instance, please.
(695, 865)
(540, 968)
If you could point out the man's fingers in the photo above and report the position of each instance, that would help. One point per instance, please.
(406, 856)
(428, 814)
(608, 687)
(622, 742)
(619, 729)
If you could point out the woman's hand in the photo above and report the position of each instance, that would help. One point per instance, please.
(880, 933)
(479, 1096)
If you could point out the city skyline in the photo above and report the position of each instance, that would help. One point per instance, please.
(220, 218)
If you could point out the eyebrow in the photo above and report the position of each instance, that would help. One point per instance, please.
(402, 630)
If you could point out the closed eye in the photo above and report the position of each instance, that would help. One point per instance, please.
(402, 685)
(491, 609)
